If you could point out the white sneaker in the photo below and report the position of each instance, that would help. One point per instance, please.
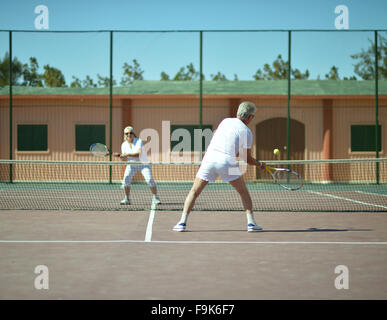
(180, 227)
(251, 227)
(156, 200)
(125, 202)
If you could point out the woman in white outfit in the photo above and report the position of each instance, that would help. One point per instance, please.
(132, 150)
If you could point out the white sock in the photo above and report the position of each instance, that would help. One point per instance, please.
(127, 197)
(250, 218)
(184, 217)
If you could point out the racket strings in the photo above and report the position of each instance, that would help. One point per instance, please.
(287, 179)
(98, 149)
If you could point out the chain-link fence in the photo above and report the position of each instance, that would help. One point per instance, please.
(320, 94)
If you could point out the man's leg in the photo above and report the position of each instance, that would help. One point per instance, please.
(194, 193)
(240, 186)
(127, 191)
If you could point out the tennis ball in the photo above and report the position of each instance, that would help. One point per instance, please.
(276, 151)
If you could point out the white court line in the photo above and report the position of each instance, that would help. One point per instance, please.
(347, 199)
(372, 193)
(203, 242)
(149, 228)
(52, 197)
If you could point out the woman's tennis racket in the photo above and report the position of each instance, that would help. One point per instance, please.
(286, 178)
(100, 150)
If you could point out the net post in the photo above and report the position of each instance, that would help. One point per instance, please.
(10, 109)
(111, 105)
(376, 106)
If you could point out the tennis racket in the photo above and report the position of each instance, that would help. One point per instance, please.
(286, 178)
(100, 150)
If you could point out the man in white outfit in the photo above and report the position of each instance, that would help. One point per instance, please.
(231, 139)
(132, 150)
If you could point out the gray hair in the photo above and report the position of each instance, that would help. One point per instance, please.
(246, 109)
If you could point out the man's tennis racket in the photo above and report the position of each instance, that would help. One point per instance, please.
(286, 178)
(100, 150)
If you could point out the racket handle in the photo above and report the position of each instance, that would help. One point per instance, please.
(261, 165)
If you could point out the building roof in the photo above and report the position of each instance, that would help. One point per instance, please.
(261, 87)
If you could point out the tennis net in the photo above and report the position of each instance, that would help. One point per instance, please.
(329, 185)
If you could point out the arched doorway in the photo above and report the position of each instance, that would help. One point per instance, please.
(271, 134)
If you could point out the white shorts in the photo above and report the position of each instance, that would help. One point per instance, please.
(132, 169)
(209, 171)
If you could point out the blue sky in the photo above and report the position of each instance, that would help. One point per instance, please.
(231, 53)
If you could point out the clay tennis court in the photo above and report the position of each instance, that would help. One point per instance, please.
(135, 255)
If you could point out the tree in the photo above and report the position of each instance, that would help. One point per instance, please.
(333, 74)
(17, 70)
(89, 83)
(189, 74)
(30, 74)
(131, 73)
(53, 77)
(104, 81)
(297, 74)
(164, 76)
(218, 77)
(365, 68)
(76, 83)
(279, 70)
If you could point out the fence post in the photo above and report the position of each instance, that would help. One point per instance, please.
(201, 88)
(289, 94)
(111, 105)
(376, 106)
(10, 109)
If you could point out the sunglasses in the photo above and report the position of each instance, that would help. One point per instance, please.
(129, 132)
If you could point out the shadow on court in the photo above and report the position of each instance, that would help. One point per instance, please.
(105, 255)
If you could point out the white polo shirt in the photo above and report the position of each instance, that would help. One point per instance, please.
(229, 139)
(136, 146)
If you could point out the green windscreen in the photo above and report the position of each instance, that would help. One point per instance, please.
(185, 136)
(363, 138)
(32, 137)
(85, 135)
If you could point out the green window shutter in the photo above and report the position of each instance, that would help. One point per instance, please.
(32, 137)
(189, 132)
(363, 138)
(87, 134)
